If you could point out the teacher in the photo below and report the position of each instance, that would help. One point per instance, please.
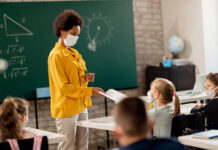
(70, 95)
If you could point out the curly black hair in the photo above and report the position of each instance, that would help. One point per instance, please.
(66, 20)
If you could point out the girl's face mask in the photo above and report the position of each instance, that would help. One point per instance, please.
(151, 96)
(211, 93)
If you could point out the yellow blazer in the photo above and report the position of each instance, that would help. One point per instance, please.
(68, 87)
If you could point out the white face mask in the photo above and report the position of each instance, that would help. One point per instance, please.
(211, 93)
(70, 40)
(149, 98)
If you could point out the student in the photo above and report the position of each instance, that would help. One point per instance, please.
(133, 128)
(13, 116)
(211, 109)
(68, 80)
(23, 110)
(162, 93)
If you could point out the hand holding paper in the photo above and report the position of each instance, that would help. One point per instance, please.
(98, 91)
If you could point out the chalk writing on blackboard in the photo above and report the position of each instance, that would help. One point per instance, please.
(12, 49)
(13, 28)
(17, 60)
(14, 53)
(16, 72)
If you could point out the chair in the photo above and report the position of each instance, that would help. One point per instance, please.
(41, 93)
(25, 144)
(211, 111)
(188, 124)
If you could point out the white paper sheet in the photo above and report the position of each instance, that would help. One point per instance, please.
(114, 95)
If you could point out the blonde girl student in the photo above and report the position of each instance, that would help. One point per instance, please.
(162, 93)
(13, 117)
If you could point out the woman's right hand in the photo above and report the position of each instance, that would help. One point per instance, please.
(96, 90)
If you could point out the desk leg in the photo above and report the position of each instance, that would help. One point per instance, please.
(36, 113)
(106, 114)
(107, 132)
(105, 104)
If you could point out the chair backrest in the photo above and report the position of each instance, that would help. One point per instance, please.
(25, 144)
(43, 92)
(188, 124)
(211, 111)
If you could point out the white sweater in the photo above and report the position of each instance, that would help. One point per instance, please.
(162, 117)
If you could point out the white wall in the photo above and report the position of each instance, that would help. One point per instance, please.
(184, 18)
(210, 30)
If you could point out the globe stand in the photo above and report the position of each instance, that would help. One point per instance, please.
(176, 61)
(175, 55)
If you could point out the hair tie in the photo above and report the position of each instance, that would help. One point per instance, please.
(174, 94)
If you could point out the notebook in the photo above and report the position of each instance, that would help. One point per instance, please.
(210, 134)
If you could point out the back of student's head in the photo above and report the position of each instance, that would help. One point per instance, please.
(23, 107)
(11, 112)
(130, 114)
(167, 90)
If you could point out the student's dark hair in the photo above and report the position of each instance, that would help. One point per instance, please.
(11, 112)
(66, 20)
(130, 114)
(213, 77)
(167, 89)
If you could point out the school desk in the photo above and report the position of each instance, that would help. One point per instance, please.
(188, 140)
(52, 137)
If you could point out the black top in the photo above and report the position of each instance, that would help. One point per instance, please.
(157, 144)
(26, 144)
(211, 111)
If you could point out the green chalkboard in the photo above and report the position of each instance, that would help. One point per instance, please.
(106, 43)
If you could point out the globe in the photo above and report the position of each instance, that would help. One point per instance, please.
(175, 44)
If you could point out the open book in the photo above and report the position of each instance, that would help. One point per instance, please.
(114, 95)
(210, 134)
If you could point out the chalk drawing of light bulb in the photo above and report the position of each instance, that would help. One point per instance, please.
(99, 31)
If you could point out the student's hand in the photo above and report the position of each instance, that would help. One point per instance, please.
(198, 106)
(90, 77)
(96, 90)
(148, 105)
